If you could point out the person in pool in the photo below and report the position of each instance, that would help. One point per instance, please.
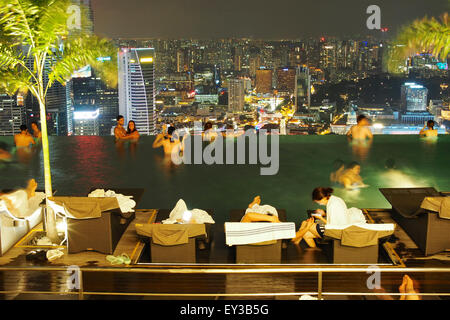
(5, 155)
(119, 130)
(24, 138)
(37, 134)
(167, 141)
(337, 214)
(132, 132)
(428, 130)
(361, 130)
(349, 177)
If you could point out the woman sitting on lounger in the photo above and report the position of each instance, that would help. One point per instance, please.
(17, 202)
(257, 213)
(337, 214)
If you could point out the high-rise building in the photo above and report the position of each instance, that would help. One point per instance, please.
(236, 95)
(263, 81)
(303, 88)
(286, 80)
(413, 97)
(137, 88)
(12, 115)
(95, 93)
(86, 120)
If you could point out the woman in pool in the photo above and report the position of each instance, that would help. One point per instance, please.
(132, 132)
(337, 214)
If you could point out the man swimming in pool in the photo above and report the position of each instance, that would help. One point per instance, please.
(167, 141)
(361, 130)
(428, 130)
(119, 130)
(24, 138)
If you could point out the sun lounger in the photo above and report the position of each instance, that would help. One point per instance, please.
(357, 244)
(172, 243)
(175, 243)
(426, 228)
(13, 228)
(259, 252)
(100, 231)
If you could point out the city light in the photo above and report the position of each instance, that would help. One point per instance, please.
(146, 60)
(86, 115)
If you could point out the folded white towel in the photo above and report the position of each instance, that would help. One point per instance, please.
(238, 233)
(200, 216)
(126, 204)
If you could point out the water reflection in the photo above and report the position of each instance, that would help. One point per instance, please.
(360, 148)
(165, 163)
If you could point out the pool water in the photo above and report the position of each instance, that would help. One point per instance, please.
(81, 163)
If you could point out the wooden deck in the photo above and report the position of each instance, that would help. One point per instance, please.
(212, 277)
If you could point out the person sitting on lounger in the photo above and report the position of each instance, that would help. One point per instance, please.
(336, 214)
(257, 213)
(17, 201)
(167, 141)
(428, 130)
(349, 177)
(24, 138)
(361, 130)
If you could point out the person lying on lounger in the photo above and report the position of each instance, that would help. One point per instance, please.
(349, 177)
(17, 202)
(337, 214)
(257, 213)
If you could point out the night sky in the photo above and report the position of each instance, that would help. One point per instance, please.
(262, 19)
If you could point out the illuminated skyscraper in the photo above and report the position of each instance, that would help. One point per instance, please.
(236, 94)
(413, 97)
(303, 87)
(263, 81)
(137, 88)
(12, 115)
(286, 80)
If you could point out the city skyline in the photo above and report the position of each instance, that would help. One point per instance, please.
(200, 19)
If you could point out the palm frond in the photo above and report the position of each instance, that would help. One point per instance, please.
(424, 35)
(79, 52)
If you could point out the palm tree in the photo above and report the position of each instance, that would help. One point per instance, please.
(37, 48)
(430, 35)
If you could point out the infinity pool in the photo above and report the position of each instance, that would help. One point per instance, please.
(81, 163)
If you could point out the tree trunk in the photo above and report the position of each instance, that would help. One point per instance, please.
(52, 233)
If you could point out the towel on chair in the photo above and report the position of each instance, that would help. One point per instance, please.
(360, 235)
(170, 234)
(199, 216)
(238, 233)
(126, 204)
(85, 207)
(437, 204)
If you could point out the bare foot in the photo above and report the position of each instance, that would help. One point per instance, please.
(402, 288)
(410, 288)
(31, 188)
(256, 200)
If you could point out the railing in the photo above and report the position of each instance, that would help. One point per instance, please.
(318, 272)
